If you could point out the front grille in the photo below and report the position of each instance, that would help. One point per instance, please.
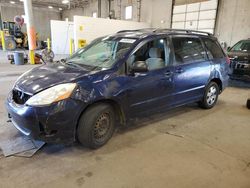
(19, 97)
(240, 64)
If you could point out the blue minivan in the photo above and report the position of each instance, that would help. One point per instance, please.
(115, 79)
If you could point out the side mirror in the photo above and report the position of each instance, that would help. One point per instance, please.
(228, 48)
(139, 66)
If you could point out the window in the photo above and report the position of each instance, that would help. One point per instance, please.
(102, 53)
(94, 14)
(213, 49)
(154, 53)
(128, 12)
(242, 46)
(188, 50)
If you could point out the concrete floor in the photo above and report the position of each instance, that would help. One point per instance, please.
(185, 147)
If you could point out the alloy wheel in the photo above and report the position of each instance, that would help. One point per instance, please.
(211, 95)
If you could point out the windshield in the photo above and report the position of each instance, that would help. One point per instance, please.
(242, 46)
(102, 53)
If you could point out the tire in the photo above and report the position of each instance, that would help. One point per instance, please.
(96, 126)
(210, 96)
(10, 44)
(248, 103)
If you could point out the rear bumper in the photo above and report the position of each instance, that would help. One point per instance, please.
(52, 124)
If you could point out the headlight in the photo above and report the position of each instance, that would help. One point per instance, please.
(51, 95)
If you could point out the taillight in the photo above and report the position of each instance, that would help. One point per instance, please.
(228, 60)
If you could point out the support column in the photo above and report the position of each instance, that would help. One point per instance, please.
(99, 8)
(1, 31)
(30, 29)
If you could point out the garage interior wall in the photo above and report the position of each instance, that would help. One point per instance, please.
(69, 14)
(42, 18)
(231, 26)
(233, 21)
(155, 12)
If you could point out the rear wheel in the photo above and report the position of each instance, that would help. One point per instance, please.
(96, 126)
(211, 96)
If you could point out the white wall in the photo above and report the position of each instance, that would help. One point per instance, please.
(98, 27)
(161, 16)
(61, 33)
(71, 13)
(233, 23)
(155, 12)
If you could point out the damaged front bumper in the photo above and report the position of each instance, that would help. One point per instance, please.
(52, 124)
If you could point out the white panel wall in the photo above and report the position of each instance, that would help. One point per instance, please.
(196, 16)
(61, 33)
(178, 25)
(88, 28)
(180, 9)
(194, 7)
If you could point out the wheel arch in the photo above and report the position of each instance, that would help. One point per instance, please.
(218, 82)
(118, 110)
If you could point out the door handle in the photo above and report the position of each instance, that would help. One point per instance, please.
(179, 70)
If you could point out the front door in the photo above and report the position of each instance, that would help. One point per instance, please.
(151, 90)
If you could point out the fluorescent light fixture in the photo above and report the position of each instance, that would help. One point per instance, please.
(50, 7)
(60, 9)
(21, 0)
(65, 1)
(12, 2)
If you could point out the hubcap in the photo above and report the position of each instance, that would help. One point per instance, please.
(102, 126)
(211, 95)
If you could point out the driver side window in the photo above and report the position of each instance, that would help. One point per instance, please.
(154, 53)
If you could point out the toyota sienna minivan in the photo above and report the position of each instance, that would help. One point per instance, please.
(115, 79)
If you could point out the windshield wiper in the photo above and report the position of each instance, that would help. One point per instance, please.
(73, 64)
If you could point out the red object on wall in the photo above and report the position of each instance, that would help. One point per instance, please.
(19, 20)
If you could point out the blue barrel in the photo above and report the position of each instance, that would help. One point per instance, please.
(19, 58)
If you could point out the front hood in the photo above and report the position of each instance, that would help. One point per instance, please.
(239, 56)
(46, 76)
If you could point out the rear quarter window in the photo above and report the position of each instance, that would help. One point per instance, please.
(214, 51)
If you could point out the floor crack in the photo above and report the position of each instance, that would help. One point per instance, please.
(247, 163)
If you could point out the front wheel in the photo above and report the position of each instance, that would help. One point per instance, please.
(210, 96)
(96, 126)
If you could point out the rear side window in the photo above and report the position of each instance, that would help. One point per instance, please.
(214, 51)
(188, 50)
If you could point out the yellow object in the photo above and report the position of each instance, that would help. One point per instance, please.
(81, 43)
(3, 40)
(49, 44)
(71, 43)
(32, 57)
(81, 28)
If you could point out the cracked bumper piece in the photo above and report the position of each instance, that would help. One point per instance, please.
(52, 124)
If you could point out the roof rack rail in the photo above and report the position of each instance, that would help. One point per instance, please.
(167, 30)
(139, 30)
(185, 31)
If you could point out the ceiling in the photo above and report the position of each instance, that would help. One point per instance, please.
(53, 3)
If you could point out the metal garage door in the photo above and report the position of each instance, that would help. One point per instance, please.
(196, 16)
